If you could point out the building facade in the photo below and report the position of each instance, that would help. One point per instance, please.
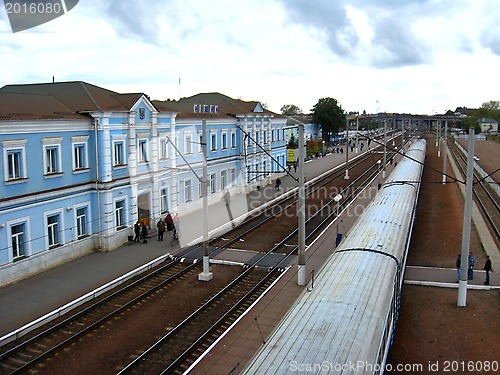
(82, 164)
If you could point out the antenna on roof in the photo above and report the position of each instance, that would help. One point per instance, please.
(179, 88)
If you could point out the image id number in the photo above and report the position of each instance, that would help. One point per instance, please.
(33, 8)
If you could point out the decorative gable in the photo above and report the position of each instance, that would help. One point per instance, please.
(258, 108)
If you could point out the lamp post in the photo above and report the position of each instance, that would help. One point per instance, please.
(445, 147)
(301, 270)
(379, 162)
(385, 148)
(462, 283)
(206, 275)
(346, 177)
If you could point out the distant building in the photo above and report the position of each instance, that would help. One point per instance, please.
(81, 164)
(488, 125)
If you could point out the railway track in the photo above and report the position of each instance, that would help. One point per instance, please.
(34, 354)
(191, 337)
(18, 357)
(179, 348)
(484, 196)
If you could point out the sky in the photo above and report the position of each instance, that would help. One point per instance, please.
(395, 56)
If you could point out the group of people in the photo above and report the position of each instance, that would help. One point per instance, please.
(470, 269)
(170, 224)
(141, 232)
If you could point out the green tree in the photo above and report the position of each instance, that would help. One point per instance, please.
(328, 113)
(291, 110)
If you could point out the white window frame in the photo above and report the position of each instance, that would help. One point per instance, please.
(224, 139)
(212, 182)
(188, 194)
(60, 227)
(119, 140)
(27, 239)
(200, 144)
(88, 228)
(52, 143)
(232, 173)
(120, 221)
(77, 142)
(213, 141)
(163, 147)
(223, 179)
(142, 150)
(164, 203)
(17, 147)
(188, 143)
(233, 139)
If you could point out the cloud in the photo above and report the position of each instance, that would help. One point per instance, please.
(329, 18)
(393, 42)
(490, 35)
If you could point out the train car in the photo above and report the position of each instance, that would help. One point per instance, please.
(345, 323)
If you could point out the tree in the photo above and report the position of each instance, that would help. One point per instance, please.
(329, 115)
(492, 104)
(291, 110)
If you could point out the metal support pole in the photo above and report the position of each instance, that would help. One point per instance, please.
(464, 265)
(357, 131)
(206, 275)
(445, 148)
(301, 271)
(385, 149)
(439, 138)
(346, 177)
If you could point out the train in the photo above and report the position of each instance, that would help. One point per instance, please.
(345, 323)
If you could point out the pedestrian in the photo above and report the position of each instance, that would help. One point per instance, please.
(278, 183)
(472, 260)
(295, 167)
(137, 231)
(177, 224)
(161, 229)
(227, 198)
(144, 233)
(169, 222)
(458, 264)
(487, 268)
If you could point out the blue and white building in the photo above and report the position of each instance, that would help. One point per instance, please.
(81, 164)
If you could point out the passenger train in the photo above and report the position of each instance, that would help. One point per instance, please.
(345, 323)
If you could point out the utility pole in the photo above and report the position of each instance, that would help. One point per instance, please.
(464, 265)
(206, 275)
(445, 148)
(301, 271)
(385, 148)
(346, 177)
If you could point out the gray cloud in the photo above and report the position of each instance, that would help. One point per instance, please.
(329, 18)
(393, 43)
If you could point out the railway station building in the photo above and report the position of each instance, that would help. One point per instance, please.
(81, 164)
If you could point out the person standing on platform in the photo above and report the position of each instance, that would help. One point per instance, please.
(137, 232)
(144, 233)
(278, 184)
(487, 268)
(472, 260)
(177, 224)
(161, 229)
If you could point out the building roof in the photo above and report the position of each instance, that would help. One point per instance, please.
(34, 107)
(484, 120)
(226, 106)
(78, 96)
